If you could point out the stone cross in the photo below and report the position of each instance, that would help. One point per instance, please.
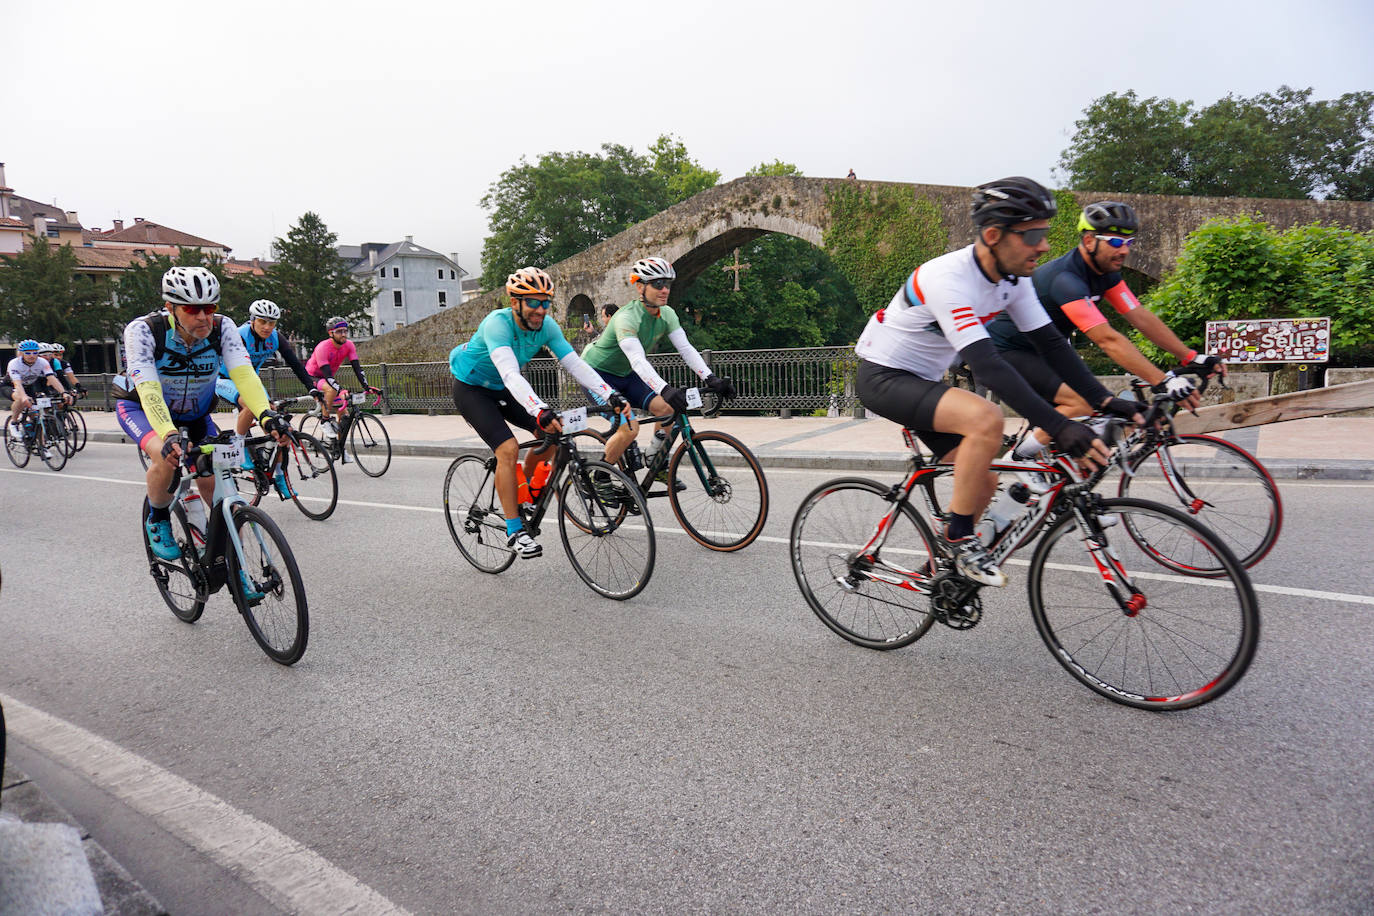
(737, 267)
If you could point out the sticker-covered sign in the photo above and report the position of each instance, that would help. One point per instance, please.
(1270, 340)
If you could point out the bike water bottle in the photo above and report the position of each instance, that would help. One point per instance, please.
(1005, 508)
(541, 477)
(633, 457)
(522, 486)
(656, 443)
(194, 508)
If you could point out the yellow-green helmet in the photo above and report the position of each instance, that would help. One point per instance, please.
(1109, 216)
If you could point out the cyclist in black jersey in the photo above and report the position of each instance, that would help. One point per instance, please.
(1071, 288)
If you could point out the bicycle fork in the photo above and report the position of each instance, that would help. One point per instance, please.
(1118, 582)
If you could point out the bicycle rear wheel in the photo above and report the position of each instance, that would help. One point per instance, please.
(309, 471)
(725, 503)
(370, 445)
(1178, 641)
(78, 423)
(52, 443)
(606, 531)
(473, 514)
(181, 583)
(267, 587)
(1221, 485)
(846, 587)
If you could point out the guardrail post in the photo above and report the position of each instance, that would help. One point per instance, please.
(386, 393)
(106, 382)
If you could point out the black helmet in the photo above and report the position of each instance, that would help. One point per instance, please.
(1011, 200)
(1109, 216)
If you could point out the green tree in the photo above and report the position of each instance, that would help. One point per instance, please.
(776, 168)
(878, 236)
(310, 282)
(1281, 144)
(565, 203)
(43, 297)
(1242, 267)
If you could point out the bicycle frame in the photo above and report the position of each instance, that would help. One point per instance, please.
(680, 427)
(220, 532)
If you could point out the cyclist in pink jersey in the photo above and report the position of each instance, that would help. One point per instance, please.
(324, 363)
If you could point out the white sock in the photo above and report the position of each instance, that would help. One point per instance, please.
(1027, 448)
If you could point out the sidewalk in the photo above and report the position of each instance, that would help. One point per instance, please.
(50, 864)
(1335, 447)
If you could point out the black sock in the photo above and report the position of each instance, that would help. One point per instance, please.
(159, 513)
(959, 526)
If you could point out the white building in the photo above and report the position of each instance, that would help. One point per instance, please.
(411, 282)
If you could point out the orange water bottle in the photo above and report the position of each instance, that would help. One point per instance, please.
(541, 477)
(522, 487)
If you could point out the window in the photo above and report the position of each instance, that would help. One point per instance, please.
(395, 271)
(396, 298)
(453, 275)
(52, 231)
(381, 272)
(443, 299)
(441, 273)
(400, 324)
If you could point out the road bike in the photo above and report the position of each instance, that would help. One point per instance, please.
(603, 519)
(42, 435)
(299, 468)
(368, 443)
(235, 544)
(714, 483)
(73, 423)
(1112, 607)
(1216, 481)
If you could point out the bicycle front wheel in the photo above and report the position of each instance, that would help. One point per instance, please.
(310, 474)
(78, 423)
(606, 531)
(17, 449)
(724, 503)
(1166, 641)
(1221, 485)
(473, 514)
(181, 583)
(865, 596)
(370, 445)
(52, 444)
(267, 587)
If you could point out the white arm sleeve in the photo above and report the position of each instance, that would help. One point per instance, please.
(577, 367)
(503, 358)
(639, 362)
(689, 353)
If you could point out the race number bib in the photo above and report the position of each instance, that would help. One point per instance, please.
(694, 398)
(228, 457)
(359, 398)
(42, 402)
(575, 420)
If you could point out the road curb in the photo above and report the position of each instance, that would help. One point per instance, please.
(1279, 468)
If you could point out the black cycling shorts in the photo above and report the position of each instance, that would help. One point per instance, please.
(1031, 366)
(908, 399)
(489, 411)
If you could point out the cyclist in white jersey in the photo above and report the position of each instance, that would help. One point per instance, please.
(937, 318)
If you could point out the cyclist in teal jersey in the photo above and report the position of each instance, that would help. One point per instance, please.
(490, 392)
(262, 341)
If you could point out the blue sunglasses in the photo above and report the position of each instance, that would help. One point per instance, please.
(1116, 241)
(538, 303)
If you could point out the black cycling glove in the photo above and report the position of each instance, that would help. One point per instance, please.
(1076, 439)
(676, 397)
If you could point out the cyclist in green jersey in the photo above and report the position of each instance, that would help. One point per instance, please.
(620, 353)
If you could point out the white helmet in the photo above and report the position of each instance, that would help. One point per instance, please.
(190, 286)
(58, 348)
(46, 348)
(264, 308)
(648, 269)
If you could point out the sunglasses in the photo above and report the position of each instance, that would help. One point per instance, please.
(201, 309)
(1030, 236)
(538, 303)
(1116, 241)
(661, 284)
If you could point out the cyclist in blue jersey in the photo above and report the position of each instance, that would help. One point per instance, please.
(174, 357)
(491, 394)
(261, 340)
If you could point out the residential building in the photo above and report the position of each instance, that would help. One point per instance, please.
(411, 282)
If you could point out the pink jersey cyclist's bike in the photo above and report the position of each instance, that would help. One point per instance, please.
(368, 444)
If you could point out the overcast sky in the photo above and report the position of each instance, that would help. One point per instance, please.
(229, 120)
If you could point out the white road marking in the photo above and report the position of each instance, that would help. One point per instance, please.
(291, 876)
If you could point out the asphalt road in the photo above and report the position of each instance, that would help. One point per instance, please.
(470, 743)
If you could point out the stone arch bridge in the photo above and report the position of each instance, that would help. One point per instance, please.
(700, 231)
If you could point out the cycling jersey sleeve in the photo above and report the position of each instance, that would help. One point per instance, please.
(1084, 314)
(358, 371)
(995, 372)
(140, 368)
(577, 367)
(1059, 353)
(639, 362)
(1121, 298)
(503, 358)
(690, 356)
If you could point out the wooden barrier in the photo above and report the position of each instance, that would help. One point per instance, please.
(1299, 405)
